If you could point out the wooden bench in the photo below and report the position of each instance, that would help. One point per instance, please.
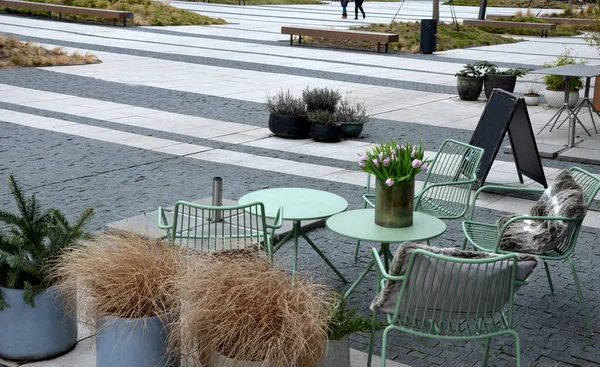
(50, 8)
(340, 34)
(553, 20)
(501, 24)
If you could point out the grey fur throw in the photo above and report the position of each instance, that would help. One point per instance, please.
(433, 280)
(564, 198)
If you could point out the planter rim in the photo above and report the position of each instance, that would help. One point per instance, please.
(561, 90)
(531, 95)
(337, 124)
(112, 317)
(470, 77)
(351, 123)
(276, 114)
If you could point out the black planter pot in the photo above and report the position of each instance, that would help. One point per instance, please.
(506, 82)
(326, 133)
(352, 129)
(293, 127)
(469, 89)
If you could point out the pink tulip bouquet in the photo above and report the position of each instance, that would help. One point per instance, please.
(392, 162)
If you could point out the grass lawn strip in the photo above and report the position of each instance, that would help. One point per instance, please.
(410, 35)
(562, 30)
(14, 53)
(145, 12)
(513, 3)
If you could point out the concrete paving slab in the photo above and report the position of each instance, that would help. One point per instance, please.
(581, 155)
(550, 151)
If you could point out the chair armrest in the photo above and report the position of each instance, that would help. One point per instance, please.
(277, 221)
(381, 268)
(367, 199)
(501, 187)
(534, 218)
(453, 183)
(162, 219)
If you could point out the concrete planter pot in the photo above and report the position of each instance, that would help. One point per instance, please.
(220, 360)
(33, 333)
(337, 354)
(352, 129)
(291, 127)
(532, 99)
(133, 343)
(556, 98)
(469, 89)
(504, 82)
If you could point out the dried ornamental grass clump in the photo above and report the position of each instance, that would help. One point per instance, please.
(124, 276)
(244, 309)
(14, 53)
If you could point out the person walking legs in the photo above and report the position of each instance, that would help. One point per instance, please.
(358, 6)
(344, 4)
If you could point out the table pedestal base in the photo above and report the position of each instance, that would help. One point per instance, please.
(387, 255)
(297, 232)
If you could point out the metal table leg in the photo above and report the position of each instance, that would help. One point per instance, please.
(385, 251)
(319, 252)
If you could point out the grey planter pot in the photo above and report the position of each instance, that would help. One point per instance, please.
(469, 89)
(220, 360)
(133, 343)
(352, 129)
(337, 354)
(32, 333)
(504, 82)
(292, 127)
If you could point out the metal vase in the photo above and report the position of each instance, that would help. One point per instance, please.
(44, 331)
(394, 204)
(133, 343)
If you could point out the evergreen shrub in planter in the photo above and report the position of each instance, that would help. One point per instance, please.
(469, 82)
(494, 78)
(35, 322)
(556, 84)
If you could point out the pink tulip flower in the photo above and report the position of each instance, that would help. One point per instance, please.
(416, 163)
(389, 182)
(376, 163)
(393, 152)
(386, 161)
(425, 167)
(364, 158)
(361, 163)
(381, 157)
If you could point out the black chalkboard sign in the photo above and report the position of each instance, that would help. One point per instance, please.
(504, 113)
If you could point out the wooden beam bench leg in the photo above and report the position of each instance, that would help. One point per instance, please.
(49, 15)
(60, 16)
(291, 39)
(124, 22)
(299, 39)
(386, 48)
(378, 47)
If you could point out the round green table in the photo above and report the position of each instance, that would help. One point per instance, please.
(299, 204)
(360, 225)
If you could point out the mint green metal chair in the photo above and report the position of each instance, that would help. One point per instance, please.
(451, 298)
(486, 237)
(205, 228)
(447, 187)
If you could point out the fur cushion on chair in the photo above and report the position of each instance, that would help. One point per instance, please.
(439, 289)
(563, 199)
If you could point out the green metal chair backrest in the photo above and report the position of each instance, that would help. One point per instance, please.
(458, 297)
(447, 187)
(590, 185)
(197, 227)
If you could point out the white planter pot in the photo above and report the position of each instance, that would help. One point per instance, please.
(532, 100)
(43, 331)
(556, 98)
(336, 354)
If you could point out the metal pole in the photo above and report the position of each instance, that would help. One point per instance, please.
(571, 142)
(217, 197)
(482, 7)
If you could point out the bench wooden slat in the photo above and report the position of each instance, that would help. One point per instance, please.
(553, 20)
(502, 24)
(341, 34)
(102, 13)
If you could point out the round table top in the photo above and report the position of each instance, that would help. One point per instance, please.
(360, 225)
(297, 203)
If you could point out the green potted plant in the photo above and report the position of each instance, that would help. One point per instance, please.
(288, 117)
(469, 82)
(126, 295)
(321, 99)
(241, 311)
(494, 78)
(34, 318)
(556, 84)
(324, 126)
(352, 116)
(341, 324)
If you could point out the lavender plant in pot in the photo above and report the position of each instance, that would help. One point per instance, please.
(35, 322)
(395, 167)
(352, 116)
(324, 99)
(288, 117)
(324, 126)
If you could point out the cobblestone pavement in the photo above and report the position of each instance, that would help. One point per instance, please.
(72, 172)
